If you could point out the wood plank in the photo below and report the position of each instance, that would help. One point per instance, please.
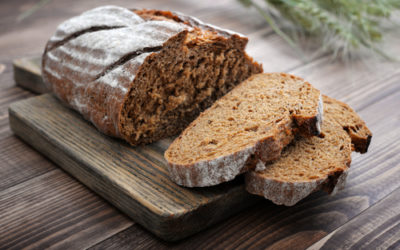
(27, 74)
(10, 95)
(18, 157)
(39, 29)
(369, 84)
(53, 210)
(360, 82)
(6, 73)
(389, 83)
(134, 179)
(372, 177)
(377, 227)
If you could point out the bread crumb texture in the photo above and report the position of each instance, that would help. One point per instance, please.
(257, 118)
(311, 164)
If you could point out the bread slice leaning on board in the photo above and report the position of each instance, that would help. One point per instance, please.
(316, 163)
(257, 119)
(143, 75)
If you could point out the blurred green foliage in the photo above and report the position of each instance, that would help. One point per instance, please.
(341, 26)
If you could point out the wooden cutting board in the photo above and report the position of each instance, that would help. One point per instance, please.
(134, 179)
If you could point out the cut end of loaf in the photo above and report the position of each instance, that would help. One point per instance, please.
(257, 118)
(186, 76)
(142, 75)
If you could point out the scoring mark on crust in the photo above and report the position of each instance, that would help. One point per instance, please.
(80, 33)
(126, 58)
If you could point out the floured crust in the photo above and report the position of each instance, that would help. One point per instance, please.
(280, 193)
(209, 173)
(290, 192)
(227, 167)
(93, 62)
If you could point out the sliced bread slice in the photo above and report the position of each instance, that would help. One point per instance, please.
(311, 164)
(351, 122)
(257, 119)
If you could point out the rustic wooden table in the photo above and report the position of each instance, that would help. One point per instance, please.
(42, 206)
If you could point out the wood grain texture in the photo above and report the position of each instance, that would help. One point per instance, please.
(372, 177)
(51, 210)
(27, 75)
(356, 205)
(19, 158)
(378, 227)
(27, 38)
(360, 82)
(134, 179)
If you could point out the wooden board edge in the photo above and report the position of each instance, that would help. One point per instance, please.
(27, 75)
(167, 227)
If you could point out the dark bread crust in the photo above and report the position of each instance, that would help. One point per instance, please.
(94, 63)
(290, 192)
(226, 168)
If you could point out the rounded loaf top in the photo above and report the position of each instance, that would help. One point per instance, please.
(110, 62)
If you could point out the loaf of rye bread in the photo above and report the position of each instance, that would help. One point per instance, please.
(255, 120)
(311, 164)
(142, 75)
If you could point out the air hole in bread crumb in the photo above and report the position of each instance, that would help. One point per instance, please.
(252, 128)
(213, 141)
(341, 148)
(209, 121)
(231, 119)
(322, 135)
(278, 120)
